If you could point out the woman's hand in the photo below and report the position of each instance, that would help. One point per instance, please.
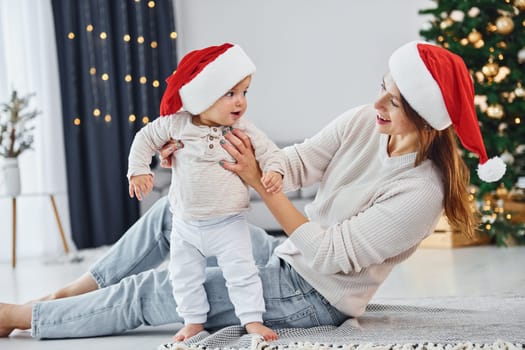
(167, 152)
(240, 148)
(246, 166)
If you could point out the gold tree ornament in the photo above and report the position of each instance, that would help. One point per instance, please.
(447, 22)
(491, 27)
(504, 25)
(481, 102)
(501, 129)
(474, 36)
(519, 90)
(520, 4)
(501, 192)
(480, 77)
(509, 96)
(490, 69)
(479, 44)
(495, 111)
(503, 72)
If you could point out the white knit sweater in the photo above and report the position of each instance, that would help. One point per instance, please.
(200, 187)
(370, 213)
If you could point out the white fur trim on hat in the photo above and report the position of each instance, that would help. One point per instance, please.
(219, 76)
(492, 170)
(417, 85)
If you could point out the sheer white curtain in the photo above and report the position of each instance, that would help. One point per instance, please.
(28, 63)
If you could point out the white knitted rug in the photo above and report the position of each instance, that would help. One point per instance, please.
(451, 323)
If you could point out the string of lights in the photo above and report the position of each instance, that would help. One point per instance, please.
(100, 80)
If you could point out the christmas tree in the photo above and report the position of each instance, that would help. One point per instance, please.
(490, 36)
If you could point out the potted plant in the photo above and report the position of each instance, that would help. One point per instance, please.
(16, 136)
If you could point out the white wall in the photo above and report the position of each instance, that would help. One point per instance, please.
(314, 58)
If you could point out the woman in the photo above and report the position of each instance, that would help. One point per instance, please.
(386, 172)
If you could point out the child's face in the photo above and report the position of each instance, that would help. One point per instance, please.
(229, 108)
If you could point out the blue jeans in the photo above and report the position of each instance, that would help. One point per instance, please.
(133, 292)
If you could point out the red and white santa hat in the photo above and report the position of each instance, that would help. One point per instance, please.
(203, 76)
(436, 83)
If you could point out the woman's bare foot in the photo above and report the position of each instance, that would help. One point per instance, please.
(82, 285)
(14, 316)
(188, 331)
(258, 328)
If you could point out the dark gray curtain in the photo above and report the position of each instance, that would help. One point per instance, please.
(114, 57)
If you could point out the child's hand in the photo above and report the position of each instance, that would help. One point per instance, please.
(272, 182)
(140, 186)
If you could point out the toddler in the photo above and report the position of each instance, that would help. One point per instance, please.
(206, 98)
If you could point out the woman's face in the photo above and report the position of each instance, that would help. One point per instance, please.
(391, 117)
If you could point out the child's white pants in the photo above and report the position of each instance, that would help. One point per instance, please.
(228, 239)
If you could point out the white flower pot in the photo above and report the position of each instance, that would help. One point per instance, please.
(11, 176)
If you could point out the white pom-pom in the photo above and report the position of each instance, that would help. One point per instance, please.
(492, 170)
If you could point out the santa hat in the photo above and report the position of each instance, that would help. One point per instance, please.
(436, 83)
(203, 76)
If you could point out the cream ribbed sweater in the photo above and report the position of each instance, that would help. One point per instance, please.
(370, 213)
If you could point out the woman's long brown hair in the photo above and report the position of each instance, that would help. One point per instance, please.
(441, 147)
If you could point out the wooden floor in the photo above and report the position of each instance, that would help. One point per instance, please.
(483, 270)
